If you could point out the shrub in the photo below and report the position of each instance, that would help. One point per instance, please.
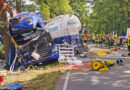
(2, 56)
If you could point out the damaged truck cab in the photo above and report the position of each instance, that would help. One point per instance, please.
(35, 40)
(32, 43)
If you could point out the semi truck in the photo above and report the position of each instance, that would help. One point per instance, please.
(64, 27)
(34, 41)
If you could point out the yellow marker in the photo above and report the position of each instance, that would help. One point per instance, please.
(31, 66)
(14, 42)
(104, 69)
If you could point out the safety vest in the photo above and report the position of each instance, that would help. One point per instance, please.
(128, 41)
(96, 39)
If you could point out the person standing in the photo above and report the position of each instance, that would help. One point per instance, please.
(121, 42)
(128, 43)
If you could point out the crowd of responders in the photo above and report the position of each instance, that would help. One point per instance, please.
(102, 40)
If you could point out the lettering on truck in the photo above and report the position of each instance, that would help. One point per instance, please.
(71, 22)
(53, 29)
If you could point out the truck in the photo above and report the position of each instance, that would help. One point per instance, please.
(64, 27)
(34, 40)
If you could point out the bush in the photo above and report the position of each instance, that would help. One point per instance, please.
(2, 56)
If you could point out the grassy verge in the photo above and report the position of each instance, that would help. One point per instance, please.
(42, 82)
(44, 78)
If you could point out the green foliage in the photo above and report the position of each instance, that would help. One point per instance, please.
(109, 16)
(79, 8)
(46, 11)
(21, 5)
(1, 51)
(52, 8)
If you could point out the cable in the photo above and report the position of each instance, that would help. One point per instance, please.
(13, 64)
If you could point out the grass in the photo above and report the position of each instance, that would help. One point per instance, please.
(42, 81)
(44, 78)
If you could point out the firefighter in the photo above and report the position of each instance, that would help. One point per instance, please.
(121, 42)
(128, 43)
(109, 42)
(112, 41)
(106, 41)
(100, 40)
(88, 39)
(93, 39)
(96, 40)
(103, 39)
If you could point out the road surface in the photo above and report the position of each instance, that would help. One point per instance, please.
(118, 78)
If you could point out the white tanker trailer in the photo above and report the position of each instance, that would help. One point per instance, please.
(64, 27)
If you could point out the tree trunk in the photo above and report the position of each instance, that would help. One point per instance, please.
(18, 5)
(5, 36)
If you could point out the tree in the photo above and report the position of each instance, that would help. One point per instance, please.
(4, 30)
(4, 26)
(54, 7)
(109, 16)
(20, 5)
(46, 11)
(80, 9)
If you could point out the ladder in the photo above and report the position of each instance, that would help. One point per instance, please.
(66, 54)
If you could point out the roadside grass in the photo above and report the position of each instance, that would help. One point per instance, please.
(42, 82)
(44, 78)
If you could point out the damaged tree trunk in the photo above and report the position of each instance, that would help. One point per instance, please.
(5, 36)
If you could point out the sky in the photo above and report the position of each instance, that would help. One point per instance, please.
(28, 2)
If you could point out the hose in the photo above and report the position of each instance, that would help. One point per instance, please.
(13, 64)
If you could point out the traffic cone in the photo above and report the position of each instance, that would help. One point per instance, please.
(116, 49)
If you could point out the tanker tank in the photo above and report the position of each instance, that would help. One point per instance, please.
(64, 28)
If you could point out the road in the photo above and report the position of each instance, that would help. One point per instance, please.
(118, 78)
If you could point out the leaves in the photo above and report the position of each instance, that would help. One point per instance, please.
(52, 8)
(109, 16)
(46, 11)
(79, 8)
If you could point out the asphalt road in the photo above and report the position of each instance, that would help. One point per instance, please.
(117, 78)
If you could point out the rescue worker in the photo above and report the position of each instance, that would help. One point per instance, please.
(85, 40)
(128, 43)
(124, 43)
(100, 40)
(93, 39)
(109, 42)
(88, 39)
(121, 42)
(106, 40)
(96, 40)
(112, 41)
(103, 39)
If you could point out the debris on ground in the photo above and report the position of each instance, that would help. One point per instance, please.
(91, 54)
(96, 50)
(14, 87)
(120, 62)
(101, 53)
(117, 54)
